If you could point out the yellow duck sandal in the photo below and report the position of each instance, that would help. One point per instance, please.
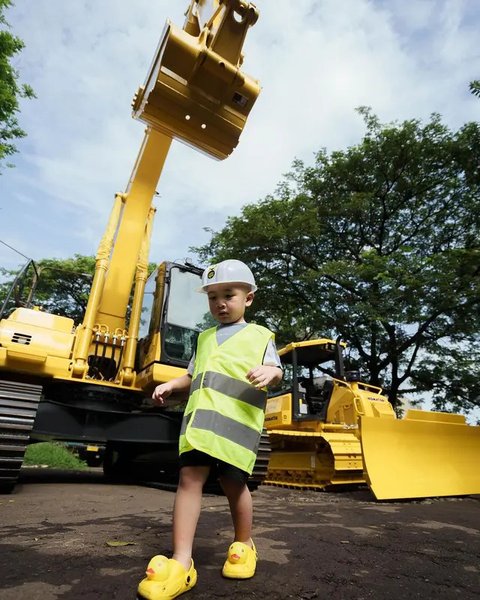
(166, 579)
(241, 561)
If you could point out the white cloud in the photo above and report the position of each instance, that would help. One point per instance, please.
(316, 63)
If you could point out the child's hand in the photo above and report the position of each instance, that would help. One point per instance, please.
(264, 375)
(161, 393)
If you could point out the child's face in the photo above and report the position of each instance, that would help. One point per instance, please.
(228, 302)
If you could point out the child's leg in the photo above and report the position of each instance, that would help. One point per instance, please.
(241, 508)
(188, 502)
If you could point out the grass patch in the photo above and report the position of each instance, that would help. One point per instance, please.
(52, 454)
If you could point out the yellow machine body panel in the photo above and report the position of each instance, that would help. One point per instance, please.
(39, 341)
(425, 454)
(278, 412)
(348, 400)
(43, 320)
(148, 377)
(353, 398)
(437, 417)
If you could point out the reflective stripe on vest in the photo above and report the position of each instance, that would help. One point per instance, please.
(230, 387)
(210, 420)
(225, 413)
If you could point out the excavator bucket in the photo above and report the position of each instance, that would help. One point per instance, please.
(195, 90)
(423, 455)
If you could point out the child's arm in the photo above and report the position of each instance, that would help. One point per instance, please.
(163, 391)
(264, 375)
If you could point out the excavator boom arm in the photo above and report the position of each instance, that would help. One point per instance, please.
(196, 92)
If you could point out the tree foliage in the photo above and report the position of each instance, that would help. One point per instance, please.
(475, 87)
(57, 286)
(10, 88)
(379, 244)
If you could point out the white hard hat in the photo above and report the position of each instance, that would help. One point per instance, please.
(228, 271)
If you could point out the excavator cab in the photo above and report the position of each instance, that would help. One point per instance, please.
(173, 315)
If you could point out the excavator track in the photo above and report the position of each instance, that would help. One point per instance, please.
(18, 408)
(314, 460)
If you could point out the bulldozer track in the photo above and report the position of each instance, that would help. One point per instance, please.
(315, 460)
(18, 408)
(309, 487)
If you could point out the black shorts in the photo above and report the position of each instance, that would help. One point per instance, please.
(218, 468)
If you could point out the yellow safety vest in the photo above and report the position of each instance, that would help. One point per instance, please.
(225, 412)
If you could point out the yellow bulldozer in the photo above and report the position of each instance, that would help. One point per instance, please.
(89, 382)
(328, 429)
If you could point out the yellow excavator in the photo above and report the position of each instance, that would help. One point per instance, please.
(89, 381)
(332, 430)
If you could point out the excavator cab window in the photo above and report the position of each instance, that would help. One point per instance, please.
(179, 342)
(186, 313)
(173, 308)
(146, 320)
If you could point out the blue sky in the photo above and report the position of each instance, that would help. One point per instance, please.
(316, 61)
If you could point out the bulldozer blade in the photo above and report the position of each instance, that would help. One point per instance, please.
(423, 455)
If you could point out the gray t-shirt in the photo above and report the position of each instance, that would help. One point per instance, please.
(225, 331)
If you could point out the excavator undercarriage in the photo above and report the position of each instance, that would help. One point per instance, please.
(90, 382)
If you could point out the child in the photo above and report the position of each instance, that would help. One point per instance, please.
(221, 428)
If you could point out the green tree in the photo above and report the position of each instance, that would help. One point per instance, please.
(475, 87)
(378, 244)
(10, 88)
(57, 286)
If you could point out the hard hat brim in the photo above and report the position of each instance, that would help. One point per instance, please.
(204, 288)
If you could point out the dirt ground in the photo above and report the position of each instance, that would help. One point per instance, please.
(57, 530)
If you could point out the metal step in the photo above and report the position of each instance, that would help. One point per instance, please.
(261, 464)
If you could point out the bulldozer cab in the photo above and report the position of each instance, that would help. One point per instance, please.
(308, 382)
